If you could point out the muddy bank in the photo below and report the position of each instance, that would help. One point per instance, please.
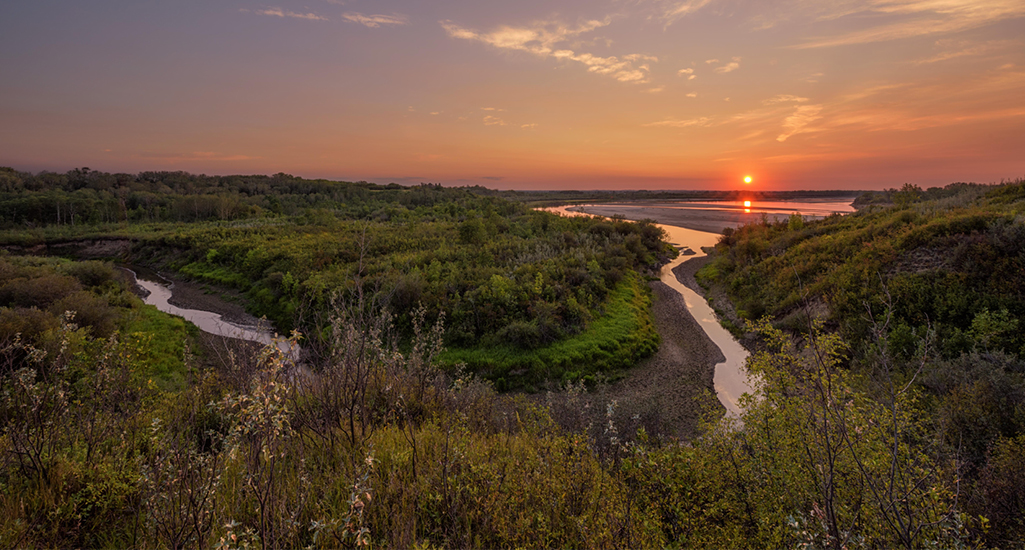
(86, 249)
(667, 393)
(677, 381)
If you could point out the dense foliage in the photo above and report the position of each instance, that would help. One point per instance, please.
(510, 282)
(382, 449)
(947, 260)
(928, 292)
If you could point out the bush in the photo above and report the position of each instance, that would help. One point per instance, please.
(37, 292)
(91, 273)
(90, 311)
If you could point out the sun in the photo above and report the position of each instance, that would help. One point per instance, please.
(748, 179)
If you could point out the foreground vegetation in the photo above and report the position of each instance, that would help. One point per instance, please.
(382, 448)
(855, 440)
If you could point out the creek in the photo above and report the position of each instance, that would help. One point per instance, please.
(160, 293)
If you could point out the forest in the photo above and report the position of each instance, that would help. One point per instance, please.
(889, 413)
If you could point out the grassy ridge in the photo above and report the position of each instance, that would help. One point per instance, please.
(622, 335)
(946, 260)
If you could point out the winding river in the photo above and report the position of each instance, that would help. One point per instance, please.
(160, 293)
(730, 380)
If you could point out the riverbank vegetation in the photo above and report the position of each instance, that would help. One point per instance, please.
(517, 288)
(926, 289)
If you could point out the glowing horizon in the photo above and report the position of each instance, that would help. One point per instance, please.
(650, 94)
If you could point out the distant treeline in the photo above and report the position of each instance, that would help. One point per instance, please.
(556, 198)
(88, 197)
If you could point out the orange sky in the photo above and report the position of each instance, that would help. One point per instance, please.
(801, 94)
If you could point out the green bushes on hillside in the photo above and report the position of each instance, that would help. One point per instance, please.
(514, 285)
(928, 294)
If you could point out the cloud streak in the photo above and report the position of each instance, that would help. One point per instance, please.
(545, 39)
(784, 98)
(375, 21)
(676, 123)
(798, 122)
(917, 18)
(673, 11)
(729, 67)
(278, 12)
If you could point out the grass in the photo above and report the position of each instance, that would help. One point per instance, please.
(618, 339)
(159, 340)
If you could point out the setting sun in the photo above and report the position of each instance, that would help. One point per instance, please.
(748, 179)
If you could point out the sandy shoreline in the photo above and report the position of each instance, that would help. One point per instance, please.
(711, 221)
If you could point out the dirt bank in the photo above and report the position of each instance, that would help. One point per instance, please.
(667, 393)
(676, 381)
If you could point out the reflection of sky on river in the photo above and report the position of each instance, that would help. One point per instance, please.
(818, 209)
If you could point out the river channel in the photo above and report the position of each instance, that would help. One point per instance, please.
(730, 380)
(160, 293)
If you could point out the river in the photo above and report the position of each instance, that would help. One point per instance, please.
(160, 293)
(730, 380)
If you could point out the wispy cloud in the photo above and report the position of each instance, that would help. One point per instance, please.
(961, 48)
(911, 18)
(278, 12)
(682, 72)
(674, 10)
(784, 98)
(656, 90)
(799, 121)
(491, 120)
(545, 39)
(729, 67)
(676, 123)
(375, 21)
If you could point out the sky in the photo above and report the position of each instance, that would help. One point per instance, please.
(556, 94)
